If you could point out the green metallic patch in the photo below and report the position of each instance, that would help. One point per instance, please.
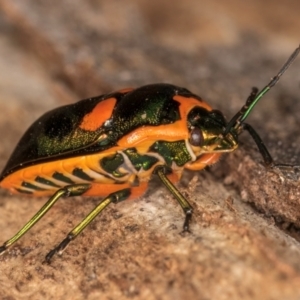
(46, 181)
(112, 163)
(140, 161)
(81, 174)
(172, 152)
(63, 178)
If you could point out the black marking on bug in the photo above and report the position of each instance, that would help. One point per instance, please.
(46, 181)
(32, 186)
(62, 177)
(81, 174)
(23, 191)
(52, 131)
(148, 105)
(101, 173)
(208, 120)
(112, 163)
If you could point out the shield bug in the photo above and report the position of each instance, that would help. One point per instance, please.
(109, 146)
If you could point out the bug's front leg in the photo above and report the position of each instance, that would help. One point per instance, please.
(268, 160)
(162, 172)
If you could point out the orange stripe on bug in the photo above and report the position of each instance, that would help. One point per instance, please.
(98, 115)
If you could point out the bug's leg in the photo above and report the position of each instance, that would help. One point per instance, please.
(162, 171)
(112, 198)
(268, 160)
(70, 190)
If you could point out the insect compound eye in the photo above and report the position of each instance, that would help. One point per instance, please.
(196, 138)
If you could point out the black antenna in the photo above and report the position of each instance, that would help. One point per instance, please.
(255, 96)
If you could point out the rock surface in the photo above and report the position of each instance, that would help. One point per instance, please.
(244, 242)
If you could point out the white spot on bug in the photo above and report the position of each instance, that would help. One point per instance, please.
(144, 116)
(107, 123)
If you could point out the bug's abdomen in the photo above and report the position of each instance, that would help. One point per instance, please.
(127, 167)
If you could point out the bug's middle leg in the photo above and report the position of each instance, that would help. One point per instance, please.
(162, 172)
(115, 197)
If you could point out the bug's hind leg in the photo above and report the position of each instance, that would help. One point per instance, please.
(70, 190)
(112, 198)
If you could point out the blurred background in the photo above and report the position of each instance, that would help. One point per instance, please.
(57, 52)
